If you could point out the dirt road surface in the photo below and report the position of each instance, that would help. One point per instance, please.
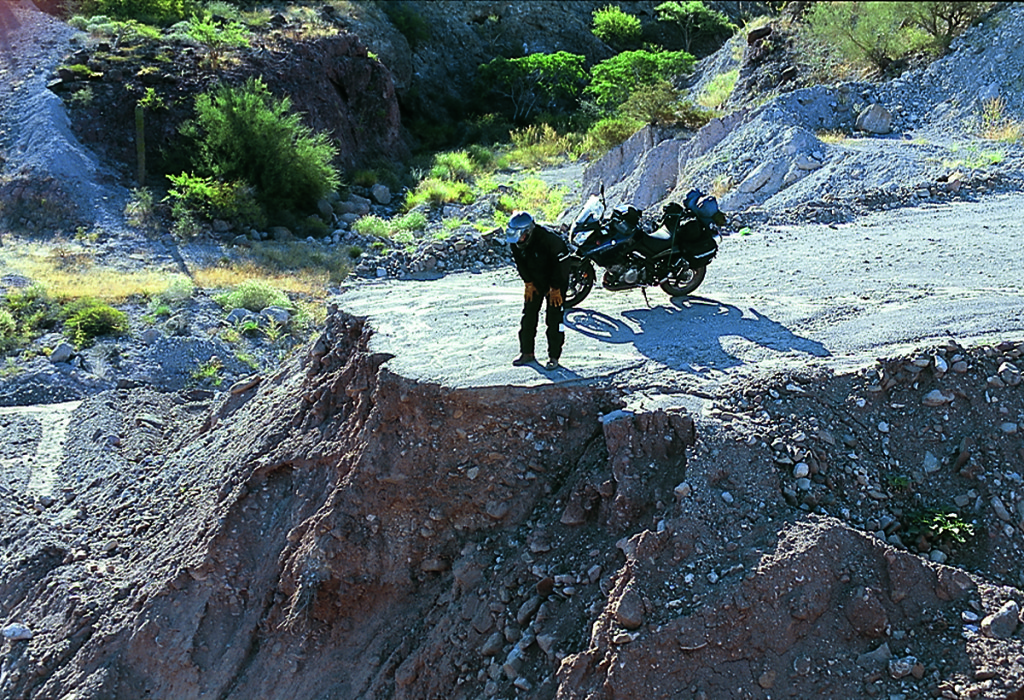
(842, 295)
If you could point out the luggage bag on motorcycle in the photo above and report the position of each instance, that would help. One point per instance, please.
(696, 242)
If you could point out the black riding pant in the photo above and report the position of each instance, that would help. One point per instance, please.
(528, 327)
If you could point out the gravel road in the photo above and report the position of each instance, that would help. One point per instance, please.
(775, 299)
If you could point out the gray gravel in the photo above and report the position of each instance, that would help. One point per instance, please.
(841, 295)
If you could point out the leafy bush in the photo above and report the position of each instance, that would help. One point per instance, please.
(88, 319)
(692, 116)
(535, 196)
(245, 134)
(8, 330)
(614, 80)
(694, 19)
(866, 34)
(253, 295)
(481, 155)
(216, 35)
(32, 309)
(231, 201)
(151, 11)
(537, 81)
(616, 28)
(177, 293)
(452, 165)
(652, 104)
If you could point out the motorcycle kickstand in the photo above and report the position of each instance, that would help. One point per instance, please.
(643, 290)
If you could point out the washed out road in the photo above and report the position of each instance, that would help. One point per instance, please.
(777, 298)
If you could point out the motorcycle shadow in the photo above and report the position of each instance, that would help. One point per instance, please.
(691, 334)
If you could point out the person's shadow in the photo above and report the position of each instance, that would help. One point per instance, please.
(690, 333)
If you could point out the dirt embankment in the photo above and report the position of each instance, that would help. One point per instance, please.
(339, 531)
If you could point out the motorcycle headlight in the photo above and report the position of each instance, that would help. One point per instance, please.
(581, 237)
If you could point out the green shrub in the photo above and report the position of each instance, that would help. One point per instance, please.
(614, 80)
(452, 165)
(434, 192)
(245, 134)
(608, 133)
(694, 20)
(944, 20)
(652, 104)
(253, 295)
(177, 293)
(371, 225)
(481, 155)
(8, 330)
(866, 34)
(616, 28)
(88, 319)
(535, 196)
(693, 116)
(216, 35)
(231, 201)
(549, 81)
(413, 221)
(33, 312)
(151, 11)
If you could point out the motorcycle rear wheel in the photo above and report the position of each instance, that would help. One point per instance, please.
(581, 281)
(679, 283)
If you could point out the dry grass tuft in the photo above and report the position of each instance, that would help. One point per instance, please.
(997, 125)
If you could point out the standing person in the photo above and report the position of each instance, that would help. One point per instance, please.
(540, 255)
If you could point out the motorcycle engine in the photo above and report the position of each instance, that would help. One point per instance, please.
(621, 277)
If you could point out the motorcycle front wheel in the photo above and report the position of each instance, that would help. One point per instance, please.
(581, 281)
(679, 283)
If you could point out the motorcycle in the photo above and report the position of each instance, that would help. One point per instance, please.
(673, 254)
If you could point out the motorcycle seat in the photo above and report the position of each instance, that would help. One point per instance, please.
(661, 233)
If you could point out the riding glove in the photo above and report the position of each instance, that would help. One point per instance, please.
(530, 291)
(554, 297)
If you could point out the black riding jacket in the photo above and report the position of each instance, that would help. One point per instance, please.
(542, 262)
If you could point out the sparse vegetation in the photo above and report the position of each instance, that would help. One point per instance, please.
(209, 372)
(996, 125)
(718, 90)
(254, 295)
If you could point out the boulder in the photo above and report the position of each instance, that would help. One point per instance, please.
(876, 119)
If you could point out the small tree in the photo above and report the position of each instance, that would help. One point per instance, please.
(693, 19)
(616, 28)
(216, 36)
(549, 81)
(865, 33)
(612, 81)
(944, 20)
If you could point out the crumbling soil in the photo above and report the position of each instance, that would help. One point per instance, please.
(339, 531)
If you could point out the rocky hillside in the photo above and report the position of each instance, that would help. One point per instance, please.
(335, 530)
(325, 528)
(830, 152)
